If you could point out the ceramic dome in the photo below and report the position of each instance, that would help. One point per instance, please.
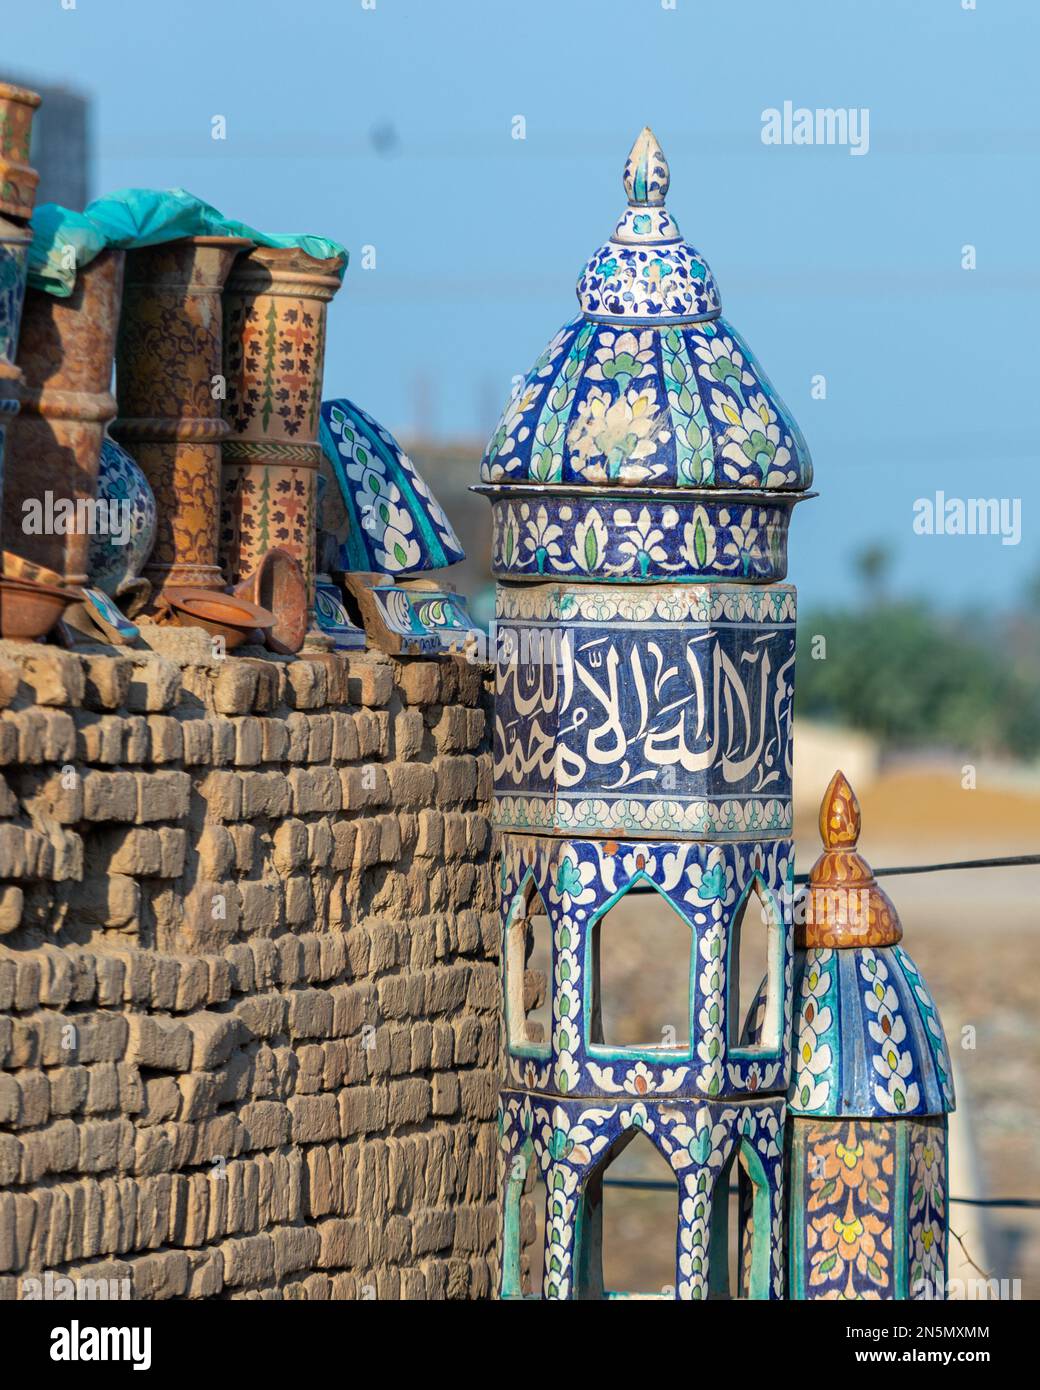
(867, 1040)
(649, 386)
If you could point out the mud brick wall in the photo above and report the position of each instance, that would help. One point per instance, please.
(248, 979)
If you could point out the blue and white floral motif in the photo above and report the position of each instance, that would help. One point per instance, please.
(396, 525)
(121, 484)
(649, 384)
(679, 406)
(637, 538)
(868, 1041)
(569, 1142)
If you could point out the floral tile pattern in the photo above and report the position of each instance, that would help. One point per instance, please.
(395, 524)
(637, 540)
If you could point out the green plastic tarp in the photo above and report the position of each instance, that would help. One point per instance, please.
(64, 240)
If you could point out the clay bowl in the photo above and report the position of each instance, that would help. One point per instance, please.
(29, 610)
(221, 615)
(278, 584)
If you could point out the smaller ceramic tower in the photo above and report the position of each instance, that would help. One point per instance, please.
(870, 1091)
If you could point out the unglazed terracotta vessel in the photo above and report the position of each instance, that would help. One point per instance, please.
(168, 366)
(29, 610)
(53, 445)
(274, 349)
(278, 585)
(222, 615)
(17, 179)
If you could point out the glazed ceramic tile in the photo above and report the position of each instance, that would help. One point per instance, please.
(621, 711)
(393, 524)
(708, 886)
(569, 1143)
(637, 538)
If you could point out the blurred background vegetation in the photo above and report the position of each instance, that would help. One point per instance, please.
(915, 676)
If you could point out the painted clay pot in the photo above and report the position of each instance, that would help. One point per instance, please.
(54, 444)
(29, 610)
(221, 615)
(118, 556)
(17, 180)
(168, 361)
(278, 585)
(274, 349)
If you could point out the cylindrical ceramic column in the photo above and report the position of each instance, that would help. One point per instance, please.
(17, 195)
(14, 250)
(168, 364)
(54, 444)
(274, 350)
(17, 179)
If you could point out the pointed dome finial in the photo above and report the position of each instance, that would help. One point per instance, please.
(839, 814)
(843, 907)
(646, 171)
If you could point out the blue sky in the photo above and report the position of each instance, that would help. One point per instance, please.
(391, 127)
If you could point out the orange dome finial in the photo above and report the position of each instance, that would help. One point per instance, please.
(839, 814)
(843, 906)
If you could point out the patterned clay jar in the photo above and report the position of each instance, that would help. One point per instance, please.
(17, 180)
(274, 349)
(168, 358)
(54, 444)
(115, 564)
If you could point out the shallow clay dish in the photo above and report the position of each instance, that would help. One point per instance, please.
(29, 610)
(222, 615)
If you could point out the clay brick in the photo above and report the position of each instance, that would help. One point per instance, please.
(306, 684)
(235, 687)
(154, 686)
(419, 682)
(158, 1043)
(162, 795)
(109, 795)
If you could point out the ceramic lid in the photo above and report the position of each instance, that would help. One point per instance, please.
(649, 385)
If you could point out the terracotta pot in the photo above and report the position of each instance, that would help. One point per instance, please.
(222, 615)
(168, 358)
(278, 584)
(17, 180)
(53, 445)
(274, 350)
(29, 610)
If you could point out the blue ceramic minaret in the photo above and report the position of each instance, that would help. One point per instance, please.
(641, 482)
